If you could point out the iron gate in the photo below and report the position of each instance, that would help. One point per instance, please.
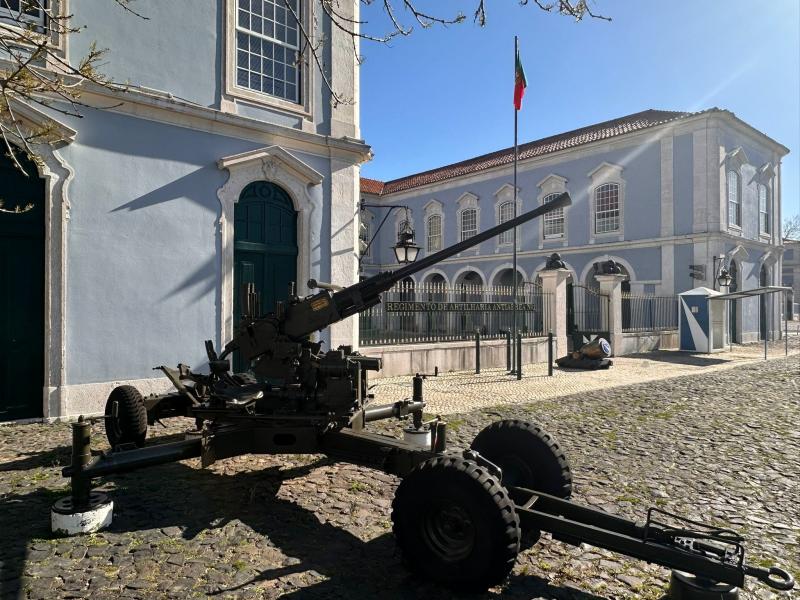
(587, 315)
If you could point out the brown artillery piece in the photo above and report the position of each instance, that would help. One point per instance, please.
(458, 516)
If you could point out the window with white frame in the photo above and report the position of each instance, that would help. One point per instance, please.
(23, 10)
(734, 199)
(553, 220)
(505, 212)
(763, 210)
(434, 233)
(606, 208)
(268, 47)
(469, 223)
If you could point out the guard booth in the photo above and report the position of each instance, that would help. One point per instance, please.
(701, 320)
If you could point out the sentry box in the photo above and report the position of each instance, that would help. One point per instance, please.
(702, 320)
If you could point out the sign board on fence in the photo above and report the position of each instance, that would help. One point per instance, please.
(392, 307)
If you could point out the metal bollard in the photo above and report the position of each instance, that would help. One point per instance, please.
(81, 457)
(508, 351)
(519, 356)
(550, 354)
(440, 439)
(416, 396)
(477, 352)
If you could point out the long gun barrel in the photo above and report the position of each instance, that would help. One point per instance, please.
(322, 309)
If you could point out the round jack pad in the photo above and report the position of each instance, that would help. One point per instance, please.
(66, 520)
(685, 586)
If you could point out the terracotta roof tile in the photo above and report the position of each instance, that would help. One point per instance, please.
(561, 141)
(371, 186)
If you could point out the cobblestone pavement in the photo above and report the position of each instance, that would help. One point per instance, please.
(723, 446)
(458, 392)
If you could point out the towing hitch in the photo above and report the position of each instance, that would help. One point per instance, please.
(715, 555)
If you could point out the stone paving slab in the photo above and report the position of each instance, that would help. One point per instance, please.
(721, 445)
(461, 391)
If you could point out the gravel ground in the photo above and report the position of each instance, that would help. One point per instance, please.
(722, 446)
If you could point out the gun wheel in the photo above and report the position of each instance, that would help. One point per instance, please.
(130, 424)
(528, 456)
(455, 524)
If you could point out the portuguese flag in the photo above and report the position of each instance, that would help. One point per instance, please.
(520, 83)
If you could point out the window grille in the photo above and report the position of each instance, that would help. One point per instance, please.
(434, 233)
(469, 223)
(734, 200)
(763, 209)
(267, 47)
(554, 220)
(606, 198)
(506, 213)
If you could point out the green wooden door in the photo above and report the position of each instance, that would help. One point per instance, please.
(265, 246)
(21, 292)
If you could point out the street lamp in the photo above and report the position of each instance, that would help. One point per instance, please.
(721, 275)
(405, 250)
(724, 278)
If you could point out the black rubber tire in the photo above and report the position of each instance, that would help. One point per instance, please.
(471, 494)
(528, 456)
(130, 426)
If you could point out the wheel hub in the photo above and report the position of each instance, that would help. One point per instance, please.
(449, 532)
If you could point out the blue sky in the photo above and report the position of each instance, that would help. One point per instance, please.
(445, 94)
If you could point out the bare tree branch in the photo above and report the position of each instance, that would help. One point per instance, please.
(791, 228)
(35, 71)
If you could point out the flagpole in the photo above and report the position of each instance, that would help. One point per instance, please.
(514, 241)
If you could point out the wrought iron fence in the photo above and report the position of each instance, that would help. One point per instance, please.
(587, 310)
(649, 313)
(411, 314)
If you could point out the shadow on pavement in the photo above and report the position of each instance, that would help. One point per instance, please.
(680, 358)
(197, 500)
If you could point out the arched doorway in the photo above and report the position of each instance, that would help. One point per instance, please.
(733, 271)
(763, 321)
(468, 289)
(264, 246)
(21, 289)
(435, 290)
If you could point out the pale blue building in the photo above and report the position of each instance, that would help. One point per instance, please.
(662, 193)
(223, 161)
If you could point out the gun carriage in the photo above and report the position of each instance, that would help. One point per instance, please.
(458, 516)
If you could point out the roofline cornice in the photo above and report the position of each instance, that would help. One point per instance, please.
(164, 108)
(655, 133)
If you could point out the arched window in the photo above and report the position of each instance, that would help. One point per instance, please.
(606, 208)
(506, 213)
(554, 220)
(734, 200)
(434, 233)
(763, 210)
(469, 223)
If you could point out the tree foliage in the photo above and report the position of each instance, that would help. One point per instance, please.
(34, 71)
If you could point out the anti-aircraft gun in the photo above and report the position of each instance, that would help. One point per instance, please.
(458, 516)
